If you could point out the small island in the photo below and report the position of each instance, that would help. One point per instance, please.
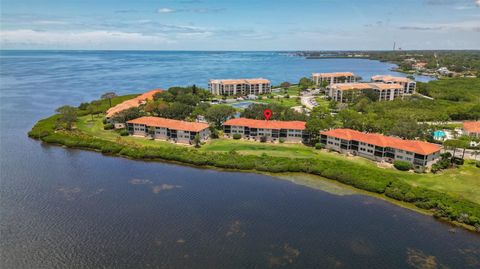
(224, 127)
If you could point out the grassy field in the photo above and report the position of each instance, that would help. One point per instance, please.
(322, 102)
(461, 182)
(292, 91)
(289, 102)
(95, 128)
(276, 150)
(104, 103)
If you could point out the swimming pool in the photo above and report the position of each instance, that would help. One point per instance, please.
(244, 104)
(439, 134)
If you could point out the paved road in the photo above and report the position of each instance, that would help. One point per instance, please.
(469, 154)
(308, 100)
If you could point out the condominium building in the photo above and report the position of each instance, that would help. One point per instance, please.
(472, 128)
(239, 86)
(332, 78)
(289, 131)
(378, 147)
(347, 92)
(408, 84)
(168, 129)
(134, 102)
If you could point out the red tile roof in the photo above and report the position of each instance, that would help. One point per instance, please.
(336, 74)
(271, 124)
(472, 126)
(170, 124)
(415, 146)
(388, 78)
(135, 102)
(364, 86)
(240, 81)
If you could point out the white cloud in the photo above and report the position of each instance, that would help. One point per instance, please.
(472, 25)
(477, 3)
(165, 10)
(27, 38)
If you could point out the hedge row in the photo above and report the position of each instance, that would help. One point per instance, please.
(359, 176)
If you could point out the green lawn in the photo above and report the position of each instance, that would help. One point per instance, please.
(105, 104)
(95, 128)
(462, 182)
(292, 90)
(289, 102)
(290, 150)
(322, 102)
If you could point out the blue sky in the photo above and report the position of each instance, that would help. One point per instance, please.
(240, 25)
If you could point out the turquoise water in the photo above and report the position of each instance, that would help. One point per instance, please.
(439, 134)
(65, 208)
(244, 104)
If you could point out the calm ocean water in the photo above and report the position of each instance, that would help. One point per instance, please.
(64, 208)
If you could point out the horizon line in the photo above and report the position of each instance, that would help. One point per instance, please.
(168, 50)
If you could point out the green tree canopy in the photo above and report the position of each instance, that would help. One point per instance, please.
(68, 116)
(218, 114)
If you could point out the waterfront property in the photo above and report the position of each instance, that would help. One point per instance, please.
(408, 84)
(332, 78)
(472, 128)
(168, 129)
(378, 147)
(135, 102)
(288, 131)
(347, 92)
(241, 87)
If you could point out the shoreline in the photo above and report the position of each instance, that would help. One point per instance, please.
(283, 176)
(325, 184)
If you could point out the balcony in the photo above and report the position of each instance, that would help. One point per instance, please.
(418, 162)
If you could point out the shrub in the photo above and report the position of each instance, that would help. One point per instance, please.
(319, 146)
(263, 139)
(435, 168)
(363, 177)
(123, 132)
(83, 106)
(419, 170)
(477, 163)
(108, 126)
(214, 133)
(104, 120)
(402, 165)
(457, 160)
(446, 155)
(237, 136)
(281, 140)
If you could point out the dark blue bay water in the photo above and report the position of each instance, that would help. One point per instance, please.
(64, 208)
